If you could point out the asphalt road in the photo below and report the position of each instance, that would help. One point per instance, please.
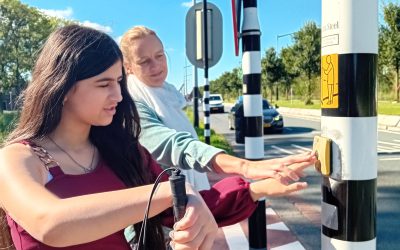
(297, 137)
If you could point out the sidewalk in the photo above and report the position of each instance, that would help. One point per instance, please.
(279, 236)
(385, 122)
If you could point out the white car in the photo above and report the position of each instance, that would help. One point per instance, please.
(216, 103)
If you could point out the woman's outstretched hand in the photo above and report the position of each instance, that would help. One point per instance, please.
(273, 187)
(283, 169)
(197, 229)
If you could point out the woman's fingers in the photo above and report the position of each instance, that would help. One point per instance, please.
(263, 169)
(193, 243)
(275, 168)
(297, 186)
(197, 227)
(189, 220)
(299, 167)
(208, 242)
(304, 157)
(288, 172)
(194, 238)
(271, 187)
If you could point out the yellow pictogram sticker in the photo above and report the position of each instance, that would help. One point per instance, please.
(329, 81)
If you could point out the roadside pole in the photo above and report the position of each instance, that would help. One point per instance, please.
(349, 47)
(204, 48)
(206, 100)
(195, 94)
(252, 108)
(195, 99)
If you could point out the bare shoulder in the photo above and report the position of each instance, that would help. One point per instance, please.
(18, 158)
(14, 153)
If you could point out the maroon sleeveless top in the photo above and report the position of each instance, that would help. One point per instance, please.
(101, 179)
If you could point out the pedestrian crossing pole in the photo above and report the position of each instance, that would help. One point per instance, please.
(204, 47)
(252, 108)
(349, 48)
(207, 132)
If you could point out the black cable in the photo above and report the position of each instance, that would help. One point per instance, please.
(177, 181)
(146, 215)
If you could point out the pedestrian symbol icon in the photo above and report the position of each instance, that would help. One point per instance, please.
(329, 81)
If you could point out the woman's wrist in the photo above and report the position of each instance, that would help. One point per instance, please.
(255, 190)
(164, 192)
(224, 163)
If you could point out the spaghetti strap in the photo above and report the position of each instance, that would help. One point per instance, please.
(44, 156)
(56, 171)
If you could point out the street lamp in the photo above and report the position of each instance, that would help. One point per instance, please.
(280, 36)
(277, 47)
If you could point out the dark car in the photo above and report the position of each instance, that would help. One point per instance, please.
(273, 121)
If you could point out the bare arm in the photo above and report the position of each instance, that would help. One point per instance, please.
(63, 222)
(277, 168)
(273, 187)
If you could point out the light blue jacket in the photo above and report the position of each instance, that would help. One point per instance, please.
(171, 148)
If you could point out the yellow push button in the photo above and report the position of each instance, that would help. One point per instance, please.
(322, 147)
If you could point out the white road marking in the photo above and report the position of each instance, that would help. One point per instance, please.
(291, 246)
(300, 147)
(235, 237)
(390, 159)
(270, 211)
(282, 150)
(389, 143)
(278, 226)
(385, 149)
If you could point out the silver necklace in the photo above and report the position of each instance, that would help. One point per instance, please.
(85, 169)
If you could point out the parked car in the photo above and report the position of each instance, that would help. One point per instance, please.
(273, 121)
(216, 103)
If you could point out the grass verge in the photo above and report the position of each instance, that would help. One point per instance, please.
(384, 107)
(216, 140)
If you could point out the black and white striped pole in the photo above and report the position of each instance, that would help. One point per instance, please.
(252, 109)
(349, 48)
(207, 132)
(204, 46)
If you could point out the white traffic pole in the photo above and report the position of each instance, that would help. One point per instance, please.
(349, 48)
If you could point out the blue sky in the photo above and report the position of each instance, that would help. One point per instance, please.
(167, 18)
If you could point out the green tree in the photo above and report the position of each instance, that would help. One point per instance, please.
(23, 30)
(307, 46)
(289, 72)
(236, 85)
(228, 84)
(386, 72)
(389, 46)
(271, 71)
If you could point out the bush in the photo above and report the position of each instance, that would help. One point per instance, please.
(8, 120)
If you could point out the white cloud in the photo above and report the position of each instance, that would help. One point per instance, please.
(187, 4)
(67, 13)
(118, 40)
(170, 50)
(105, 29)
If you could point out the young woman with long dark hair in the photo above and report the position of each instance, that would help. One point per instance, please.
(72, 173)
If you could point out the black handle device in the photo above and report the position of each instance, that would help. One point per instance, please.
(179, 198)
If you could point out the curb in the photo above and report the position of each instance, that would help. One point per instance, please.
(385, 122)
